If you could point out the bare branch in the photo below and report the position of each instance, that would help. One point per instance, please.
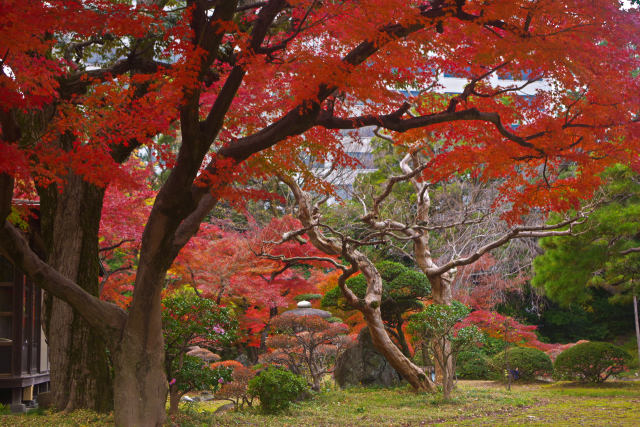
(117, 245)
(505, 90)
(630, 250)
(302, 259)
(111, 273)
(515, 233)
(105, 317)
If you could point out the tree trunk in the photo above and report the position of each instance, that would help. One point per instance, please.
(409, 371)
(317, 382)
(140, 384)
(447, 382)
(80, 371)
(402, 340)
(174, 399)
(637, 324)
(441, 294)
(370, 305)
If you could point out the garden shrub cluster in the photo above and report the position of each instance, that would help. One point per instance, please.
(277, 388)
(592, 361)
(472, 365)
(529, 363)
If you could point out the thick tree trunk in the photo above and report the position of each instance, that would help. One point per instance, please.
(80, 371)
(140, 391)
(407, 369)
(441, 289)
(140, 384)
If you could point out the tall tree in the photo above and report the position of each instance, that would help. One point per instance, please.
(602, 252)
(45, 75)
(279, 78)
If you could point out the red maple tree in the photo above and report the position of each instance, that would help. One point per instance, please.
(227, 265)
(481, 287)
(305, 345)
(506, 329)
(254, 86)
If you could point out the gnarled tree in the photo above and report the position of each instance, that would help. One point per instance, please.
(383, 231)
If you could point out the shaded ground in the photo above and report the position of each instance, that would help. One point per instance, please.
(474, 403)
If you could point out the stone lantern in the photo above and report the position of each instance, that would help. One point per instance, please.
(304, 309)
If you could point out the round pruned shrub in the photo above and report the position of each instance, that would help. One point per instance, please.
(277, 388)
(307, 297)
(472, 365)
(524, 363)
(591, 361)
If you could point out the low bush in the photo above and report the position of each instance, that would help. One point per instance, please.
(525, 363)
(472, 365)
(236, 390)
(307, 297)
(591, 361)
(277, 388)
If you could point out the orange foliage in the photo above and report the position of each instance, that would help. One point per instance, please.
(227, 364)
(236, 390)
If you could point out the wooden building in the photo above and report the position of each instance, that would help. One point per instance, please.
(24, 364)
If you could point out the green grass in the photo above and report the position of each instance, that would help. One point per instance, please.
(48, 418)
(473, 403)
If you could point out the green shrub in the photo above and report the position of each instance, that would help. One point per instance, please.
(631, 347)
(472, 365)
(492, 345)
(276, 388)
(590, 361)
(528, 362)
(307, 297)
(402, 289)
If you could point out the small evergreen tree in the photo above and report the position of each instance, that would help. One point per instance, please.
(437, 326)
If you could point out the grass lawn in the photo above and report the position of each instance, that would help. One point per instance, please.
(473, 403)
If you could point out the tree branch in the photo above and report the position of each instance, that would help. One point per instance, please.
(117, 245)
(105, 317)
(517, 232)
(396, 123)
(630, 250)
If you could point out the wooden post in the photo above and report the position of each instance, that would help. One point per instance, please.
(635, 315)
(18, 319)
